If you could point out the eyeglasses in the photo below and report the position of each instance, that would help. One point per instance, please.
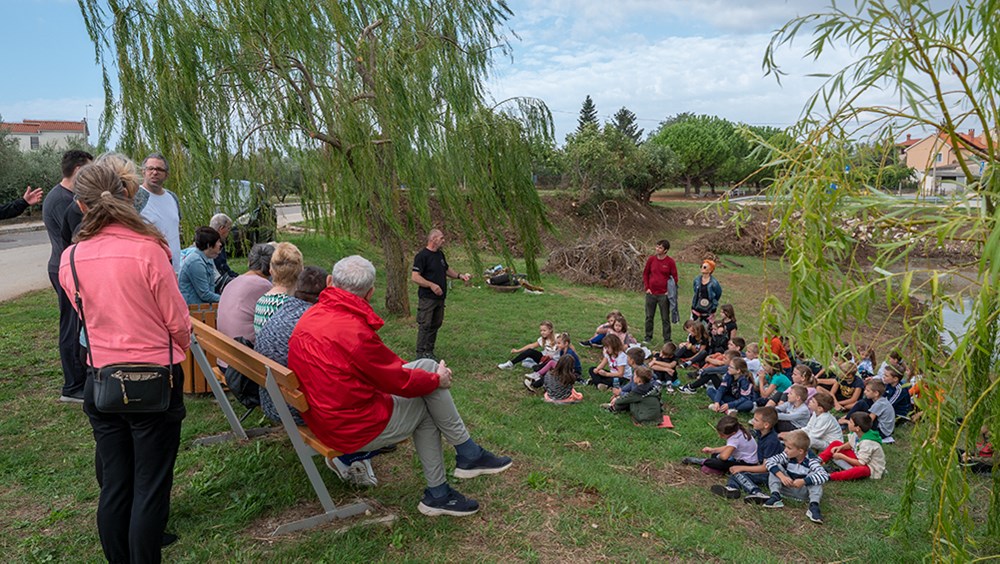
(704, 267)
(155, 169)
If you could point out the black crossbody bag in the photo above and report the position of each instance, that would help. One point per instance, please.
(126, 387)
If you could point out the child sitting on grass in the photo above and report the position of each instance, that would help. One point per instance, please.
(602, 330)
(749, 477)
(794, 413)
(896, 393)
(796, 473)
(642, 400)
(822, 428)
(636, 358)
(613, 370)
(712, 376)
(664, 364)
(565, 348)
(740, 448)
(739, 396)
(696, 347)
(862, 453)
(847, 389)
(559, 382)
(878, 408)
(771, 386)
(983, 459)
(729, 319)
(546, 341)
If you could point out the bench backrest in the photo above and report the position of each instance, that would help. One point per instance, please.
(249, 362)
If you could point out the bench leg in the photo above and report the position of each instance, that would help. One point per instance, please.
(220, 395)
(342, 512)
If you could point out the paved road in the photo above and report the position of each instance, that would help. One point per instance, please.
(24, 257)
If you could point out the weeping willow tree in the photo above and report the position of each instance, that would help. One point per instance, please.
(939, 68)
(381, 101)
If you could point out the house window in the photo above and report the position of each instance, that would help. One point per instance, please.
(34, 143)
(937, 158)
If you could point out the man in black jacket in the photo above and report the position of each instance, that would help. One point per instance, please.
(16, 207)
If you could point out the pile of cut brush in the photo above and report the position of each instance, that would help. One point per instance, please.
(601, 259)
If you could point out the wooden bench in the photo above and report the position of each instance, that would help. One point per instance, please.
(281, 383)
(196, 380)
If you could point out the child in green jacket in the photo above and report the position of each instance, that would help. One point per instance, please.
(643, 401)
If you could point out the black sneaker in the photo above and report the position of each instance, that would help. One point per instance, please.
(693, 461)
(813, 513)
(774, 502)
(687, 390)
(487, 463)
(725, 491)
(587, 344)
(756, 498)
(453, 503)
(75, 397)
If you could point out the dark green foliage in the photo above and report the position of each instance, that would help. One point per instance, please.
(588, 115)
(624, 121)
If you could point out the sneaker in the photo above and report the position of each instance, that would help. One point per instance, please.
(685, 389)
(487, 463)
(813, 513)
(669, 389)
(527, 384)
(607, 406)
(888, 440)
(76, 397)
(756, 498)
(528, 363)
(533, 376)
(427, 355)
(359, 473)
(587, 344)
(602, 387)
(692, 460)
(732, 412)
(505, 365)
(774, 502)
(454, 504)
(725, 491)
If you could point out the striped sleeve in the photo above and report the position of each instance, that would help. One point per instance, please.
(817, 474)
(776, 463)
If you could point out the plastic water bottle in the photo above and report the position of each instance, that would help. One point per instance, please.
(615, 383)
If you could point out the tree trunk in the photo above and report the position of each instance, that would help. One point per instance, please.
(397, 299)
(687, 187)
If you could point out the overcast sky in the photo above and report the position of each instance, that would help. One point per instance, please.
(656, 57)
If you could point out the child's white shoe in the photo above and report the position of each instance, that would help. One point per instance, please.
(505, 365)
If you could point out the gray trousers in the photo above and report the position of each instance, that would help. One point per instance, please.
(430, 316)
(654, 301)
(426, 419)
(812, 493)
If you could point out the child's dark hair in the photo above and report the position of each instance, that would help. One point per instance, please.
(620, 319)
(730, 355)
(824, 400)
(862, 421)
(700, 333)
(893, 371)
(894, 355)
(664, 243)
(563, 372)
(740, 342)
(669, 349)
(729, 311)
(767, 414)
(637, 355)
(740, 365)
(729, 425)
(642, 375)
(613, 343)
(876, 386)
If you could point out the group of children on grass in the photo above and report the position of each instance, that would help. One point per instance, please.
(794, 432)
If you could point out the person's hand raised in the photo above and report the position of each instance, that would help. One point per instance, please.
(32, 195)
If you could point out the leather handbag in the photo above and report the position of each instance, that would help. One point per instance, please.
(126, 387)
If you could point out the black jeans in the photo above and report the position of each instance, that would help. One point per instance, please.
(136, 455)
(533, 354)
(74, 373)
(430, 316)
(654, 301)
(608, 381)
(711, 375)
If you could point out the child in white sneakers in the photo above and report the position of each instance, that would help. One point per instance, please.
(546, 343)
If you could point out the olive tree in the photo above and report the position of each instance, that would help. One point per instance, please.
(382, 100)
(939, 66)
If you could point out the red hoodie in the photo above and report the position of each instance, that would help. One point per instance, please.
(347, 373)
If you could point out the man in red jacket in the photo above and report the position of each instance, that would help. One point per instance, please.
(362, 397)
(659, 271)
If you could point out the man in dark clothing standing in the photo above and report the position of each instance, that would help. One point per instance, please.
(16, 207)
(660, 270)
(53, 214)
(431, 273)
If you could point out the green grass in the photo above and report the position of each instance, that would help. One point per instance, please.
(586, 485)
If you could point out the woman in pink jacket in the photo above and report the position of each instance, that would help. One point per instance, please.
(134, 314)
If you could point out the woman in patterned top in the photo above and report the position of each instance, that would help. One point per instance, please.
(286, 265)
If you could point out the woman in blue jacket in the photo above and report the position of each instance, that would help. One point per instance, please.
(707, 292)
(198, 274)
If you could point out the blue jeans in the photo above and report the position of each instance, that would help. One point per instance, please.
(747, 481)
(719, 395)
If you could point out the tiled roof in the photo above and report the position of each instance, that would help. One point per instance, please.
(40, 125)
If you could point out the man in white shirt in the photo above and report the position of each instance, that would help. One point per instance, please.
(160, 206)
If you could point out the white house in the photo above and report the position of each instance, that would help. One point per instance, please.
(32, 134)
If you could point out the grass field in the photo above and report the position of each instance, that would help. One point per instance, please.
(586, 485)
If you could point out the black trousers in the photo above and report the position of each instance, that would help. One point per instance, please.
(135, 459)
(430, 316)
(654, 301)
(711, 375)
(533, 354)
(74, 373)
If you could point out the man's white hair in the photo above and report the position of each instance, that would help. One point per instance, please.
(220, 221)
(355, 274)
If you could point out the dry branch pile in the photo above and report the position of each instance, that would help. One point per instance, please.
(603, 259)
